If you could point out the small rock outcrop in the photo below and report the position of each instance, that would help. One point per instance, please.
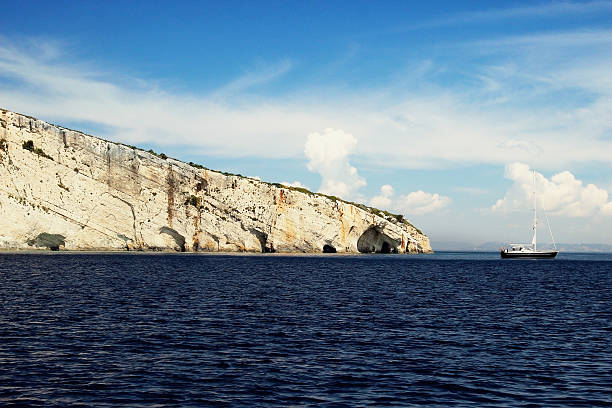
(62, 189)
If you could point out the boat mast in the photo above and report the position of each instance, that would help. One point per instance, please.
(535, 215)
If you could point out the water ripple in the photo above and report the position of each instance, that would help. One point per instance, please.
(166, 330)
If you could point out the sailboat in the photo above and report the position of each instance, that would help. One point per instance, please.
(530, 251)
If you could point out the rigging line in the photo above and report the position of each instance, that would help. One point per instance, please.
(549, 229)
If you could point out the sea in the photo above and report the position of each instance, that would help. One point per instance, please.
(191, 330)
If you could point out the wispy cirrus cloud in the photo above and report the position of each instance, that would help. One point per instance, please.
(55, 87)
(265, 74)
(511, 112)
(542, 10)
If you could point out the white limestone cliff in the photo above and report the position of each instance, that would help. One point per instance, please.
(69, 190)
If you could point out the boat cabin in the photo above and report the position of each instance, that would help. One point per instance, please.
(520, 247)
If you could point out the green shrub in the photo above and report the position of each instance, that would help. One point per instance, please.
(197, 166)
(160, 155)
(193, 200)
(29, 145)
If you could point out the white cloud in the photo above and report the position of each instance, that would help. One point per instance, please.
(415, 203)
(525, 145)
(383, 200)
(555, 40)
(562, 194)
(540, 11)
(294, 184)
(265, 74)
(420, 202)
(328, 154)
(47, 84)
(501, 119)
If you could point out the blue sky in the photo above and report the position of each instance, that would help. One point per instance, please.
(437, 110)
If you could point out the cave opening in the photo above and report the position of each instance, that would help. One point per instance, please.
(373, 240)
(328, 249)
(178, 238)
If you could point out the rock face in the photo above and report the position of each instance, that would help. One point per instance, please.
(62, 189)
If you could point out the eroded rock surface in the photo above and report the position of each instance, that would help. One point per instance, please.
(69, 190)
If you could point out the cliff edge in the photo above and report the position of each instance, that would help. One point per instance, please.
(63, 189)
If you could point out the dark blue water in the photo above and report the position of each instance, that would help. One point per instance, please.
(192, 330)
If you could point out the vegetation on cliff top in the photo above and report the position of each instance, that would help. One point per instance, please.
(395, 218)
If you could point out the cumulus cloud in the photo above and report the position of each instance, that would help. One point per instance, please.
(383, 200)
(328, 154)
(415, 203)
(563, 194)
(421, 202)
(294, 184)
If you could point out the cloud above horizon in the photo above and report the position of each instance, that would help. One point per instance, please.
(415, 203)
(296, 183)
(328, 154)
(562, 194)
(501, 118)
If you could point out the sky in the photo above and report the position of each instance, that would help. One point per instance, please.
(437, 110)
